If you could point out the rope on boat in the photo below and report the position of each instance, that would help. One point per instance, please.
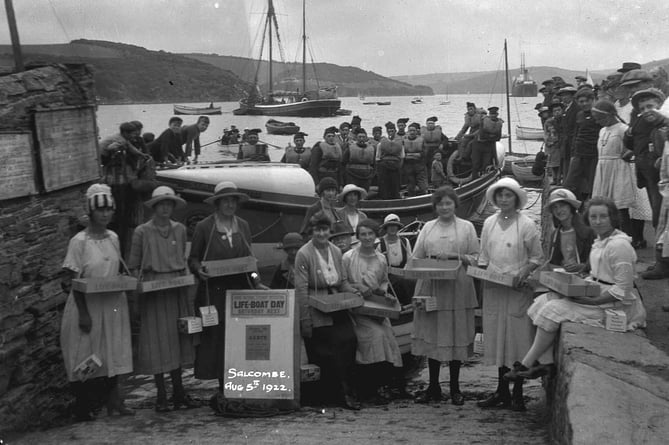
(268, 227)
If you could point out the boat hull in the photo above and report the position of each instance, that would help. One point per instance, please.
(307, 108)
(182, 109)
(529, 134)
(524, 90)
(278, 127)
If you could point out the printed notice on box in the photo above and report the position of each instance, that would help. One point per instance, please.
(262, 349)
(17, 171)
(263, 303)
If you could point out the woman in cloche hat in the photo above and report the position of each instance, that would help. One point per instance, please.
(158, 252)
(327, 192)
(351, 196)
(220, 236)
(510, 245)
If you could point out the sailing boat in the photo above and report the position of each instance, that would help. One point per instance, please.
(320, 103)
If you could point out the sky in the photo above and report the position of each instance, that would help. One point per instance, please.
(389, 37)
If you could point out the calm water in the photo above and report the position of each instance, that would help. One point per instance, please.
(155, 117)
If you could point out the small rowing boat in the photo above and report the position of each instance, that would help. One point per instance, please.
(529, 133)
(274, 126)
(522, 170)
(183, 109)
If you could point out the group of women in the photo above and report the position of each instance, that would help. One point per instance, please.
(519, 329)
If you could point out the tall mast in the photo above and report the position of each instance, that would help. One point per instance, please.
(506, 87)
(270, 16)
(14, 33)
(304, 47)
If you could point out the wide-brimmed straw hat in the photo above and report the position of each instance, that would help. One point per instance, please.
(226, 188)
(348, 188)
(340, 228)
(164, 193)
(565, 195)
(507, 183)
(391, 220)
(291, 240)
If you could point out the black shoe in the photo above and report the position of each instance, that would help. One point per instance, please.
(516, 372)
(184, 401)
(430, 395)
(495, 400)
(351, 403)
(162, 406)
(518, 404)
(457, 398)
(657, 273)
(537, 370)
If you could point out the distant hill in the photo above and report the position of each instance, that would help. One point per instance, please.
(128, 73)
(351, 81)
(493, 81)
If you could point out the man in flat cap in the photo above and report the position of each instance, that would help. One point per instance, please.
(344, 138)
(402, 127)
(299, 154)
(414, 169)
(388, 168)
(326, 157)
(581, 80)
(471, 125)
(434, 139)
(547, 91)
(483, 146)
(567, 126)
(359, 161)
(252, 150)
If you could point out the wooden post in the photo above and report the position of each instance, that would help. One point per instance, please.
(14, 33)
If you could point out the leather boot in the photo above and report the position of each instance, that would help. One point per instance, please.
(179, 396)
(456, 396)
(501, 397)
(517, 400)
(661, 269)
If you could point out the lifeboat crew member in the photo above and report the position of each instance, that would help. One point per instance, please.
(299, 154)
(473, 118)
(377, 132)
(359, 161)
(389, 165)
(355, 123)
(483, 147)
(401, 127)
(414, 170)
(326, 157)
(432, 135)
(345, 137)
(251, 150)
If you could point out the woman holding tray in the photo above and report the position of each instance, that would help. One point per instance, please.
(612, 260)
(96, 323)
(220, 236)
(445, 335)
(367, 272)
(158, 252)
(510, 245)
(329, 337)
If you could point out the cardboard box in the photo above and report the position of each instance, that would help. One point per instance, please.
(425, 303)
(616, 320)
(87, 368)
(568, 284)
(379, 307)
(119, 283)
(486, 275)
(428, 269)
(209, 316)
(335, 302)
(169, 283)
(478, 344)
(189, 325)
(232, 266)
(310, 373)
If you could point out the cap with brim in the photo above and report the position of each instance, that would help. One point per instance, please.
(391, 220)
(326, 184)
(567, 90)
(629, 66)
(291, 240)
(164, 193)
(563, 195)
(581, 78)
(635, 76)
(555, 105)
(349, 188)
(340, 229)
(511, 184)
(548, 82)
(646, 94)
(224, 189)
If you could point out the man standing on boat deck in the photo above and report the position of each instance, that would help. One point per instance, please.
(567, 127)
(472, 123)
(548, 92)
(389, 166)
(358, 160)
(485, 139)
(414, 169)
(190, 134)
(299, 154)
(584, 150)
(433, 136)
(401, 127)
(344, 138)
(167, 146)
(252, 150)
(377, 132)
(326, 157)
(355, 123)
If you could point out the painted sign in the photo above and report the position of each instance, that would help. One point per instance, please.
(17, 169)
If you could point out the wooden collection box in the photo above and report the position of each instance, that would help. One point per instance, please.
(497, 278)
(568, 284)
(335, 302)
(169, 283)
(189, 325)
(120, 283)
(425, 303)
(209, 316)
(616, 320)
(87, 367)
(310, 373)
(428, 269)
(379, 306)
(232, 266)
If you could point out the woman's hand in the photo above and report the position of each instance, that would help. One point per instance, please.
(85, 322)
(202, 273)
(524, 273)
(574, 267)
(306, 328)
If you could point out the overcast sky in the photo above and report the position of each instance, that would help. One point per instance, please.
(390, 37)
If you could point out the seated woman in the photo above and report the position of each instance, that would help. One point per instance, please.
(367, 272)
(612, 261)
(329, 338)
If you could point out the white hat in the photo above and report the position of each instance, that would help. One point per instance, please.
(99, 196)
(511, 184)
(348, 188)
(563, 194)
(163, 193)
(392, 220)
(226, 188)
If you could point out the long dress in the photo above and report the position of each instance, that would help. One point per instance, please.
(161, 347)
(447, 333)
(612, 260)
(376, 340)
(110, 337)
(614, 177)
(209, 244)
(507, 330)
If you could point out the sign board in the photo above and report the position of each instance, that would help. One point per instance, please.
(120, 283)
(338, 301)
(233, 266)
(494, 277)
(17, 168)
(168, 283)
(262, 350)
(68, 146)
(428, 269)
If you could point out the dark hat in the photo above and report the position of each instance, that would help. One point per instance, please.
(226, 188)
(555, 105)
(291, 240)
(558, 79)
(299, 134)
(344, 125)
(635, 76)
(471, 104)
(127, 127)
(614, 76)
(543, 109)
(567, 90)
(320, 219)
(327, 183)
(332, 130)
(359, 130)
(493, 110)
(377, 128)
(356, 120)
(340, 228)
(174, 119)
(433, 119)
(646, 94)
(390, 125)
(629, 66)
(584, 92)
(539, 105)
(415, 125)
(255, 131)
(583, 78)
(547, 82)
(403, 120)
(542, 89)
(604, 106)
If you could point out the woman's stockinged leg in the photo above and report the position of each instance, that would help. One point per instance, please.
(543, 341)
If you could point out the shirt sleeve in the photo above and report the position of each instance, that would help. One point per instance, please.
(621, 258)
(74, 260)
